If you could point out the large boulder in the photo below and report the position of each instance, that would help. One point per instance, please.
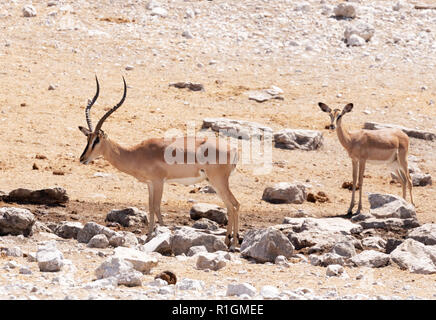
(388, 212)
(239, 129)
(415, 256)
(285, 192)
(264, 245)
(298, 139)
(91, 229)
(127, 217)
(186, 237)
(141, 261)
(322, 233)
(50, 196)
(425, 234)
(209, 211)
(15, 221)
(418, 134)
(371, 258)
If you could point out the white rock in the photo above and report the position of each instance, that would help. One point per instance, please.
(371, 258)
(98, 241)
(141, 261)
(363, 30)
(269, 292)
(335, 270)
(160, 12)
(355, 41)
(49, 258)
(187, 34)
(25, 270)
(190, 284)
(120, 269)
(211, 261)
(29, 11)
(240, 289)
(415, 256)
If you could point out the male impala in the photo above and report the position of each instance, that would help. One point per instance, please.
(150, 162)
(388, 146)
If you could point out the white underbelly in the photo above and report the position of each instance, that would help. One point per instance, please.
(188, 180)
(391, 162)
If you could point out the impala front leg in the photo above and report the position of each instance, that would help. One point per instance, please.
(362, 164)
(350, 209)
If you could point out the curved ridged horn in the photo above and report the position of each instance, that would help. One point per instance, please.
(100, 123)
(90, 104)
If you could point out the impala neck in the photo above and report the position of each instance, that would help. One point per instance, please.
(343, 134)
(118, 156)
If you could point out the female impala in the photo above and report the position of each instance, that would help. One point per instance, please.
(389, 146)
(151, 162)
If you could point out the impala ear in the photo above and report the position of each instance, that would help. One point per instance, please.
(85, 131)
(324, 107)
(347, 108)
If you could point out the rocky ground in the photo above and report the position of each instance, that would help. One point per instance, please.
(381, 58)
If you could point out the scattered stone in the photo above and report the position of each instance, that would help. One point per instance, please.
(12, 252)
(240, 289)
(121, 270)
(344, 10)
(415, 256)
(187, 34)
(326, 259)
(292, 139)
(167, 276)
(421, 179)
(186, 237)
(264, 245)
(98, 241)
(190, 284)
(127, 217)
(161, 243)
(25, 270)
(239, 129)
(91, 229)
(29, 11)
(264, 95)
(16, 221)
(414, 133)
(425, 234)
(269, 292)
(285, 192)
(371, 258)
(209, 211)
(355, 41)
(68, 229)
(205, 224)
(49, 258)
(141, 261)
(375, 242)
(160, 12)
(191, 86)
(345, 249)
(212, 261)
(335, 270)
(362, 30)
(123, 239)
(51, 196)
(129, 67)
(196, 249)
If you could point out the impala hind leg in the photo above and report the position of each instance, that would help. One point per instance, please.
(221, 185)
(404, 168)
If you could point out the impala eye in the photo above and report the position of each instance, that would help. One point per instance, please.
(97, 140)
